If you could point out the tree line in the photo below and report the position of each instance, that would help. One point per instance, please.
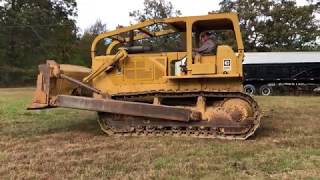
(32, 31)
(277, 25)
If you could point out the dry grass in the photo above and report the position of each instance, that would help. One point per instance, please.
(67, 144)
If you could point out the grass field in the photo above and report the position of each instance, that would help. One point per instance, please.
(68, 144)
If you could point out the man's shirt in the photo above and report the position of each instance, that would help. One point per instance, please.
(206, 47)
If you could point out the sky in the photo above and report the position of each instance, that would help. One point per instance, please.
(116, 12)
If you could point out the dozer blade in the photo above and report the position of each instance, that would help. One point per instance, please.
(128, 108)
(56, 85)
(49, 86)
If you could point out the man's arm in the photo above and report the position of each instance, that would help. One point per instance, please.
(203, 48)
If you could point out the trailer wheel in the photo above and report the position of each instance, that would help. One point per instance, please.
(249, 89)
(266, 90)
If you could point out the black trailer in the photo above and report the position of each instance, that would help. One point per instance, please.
(289, 72)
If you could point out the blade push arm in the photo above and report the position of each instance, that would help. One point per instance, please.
(121, 55)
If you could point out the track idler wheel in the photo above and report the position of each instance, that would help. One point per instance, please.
(238, 109)
(103, 122)
(230, 112)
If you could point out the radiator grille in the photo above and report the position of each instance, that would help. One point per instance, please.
(144, 69)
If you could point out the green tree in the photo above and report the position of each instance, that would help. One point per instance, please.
(276, 25)
(84, 44)
(252, 14)
(35, 30)
(2, 34)
(32, 31)
(291, 28)
(157, 9)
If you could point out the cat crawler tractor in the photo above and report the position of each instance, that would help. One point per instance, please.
(147, 81)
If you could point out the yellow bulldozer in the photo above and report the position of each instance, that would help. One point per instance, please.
(148, 81)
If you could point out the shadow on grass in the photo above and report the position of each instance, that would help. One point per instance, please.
(89, 125)
(266, 129)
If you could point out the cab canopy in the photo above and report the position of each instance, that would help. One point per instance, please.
(185, 28)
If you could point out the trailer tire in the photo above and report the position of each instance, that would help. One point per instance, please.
(266, 90)
(249, 89)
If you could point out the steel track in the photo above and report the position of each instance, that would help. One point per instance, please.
(121, 125)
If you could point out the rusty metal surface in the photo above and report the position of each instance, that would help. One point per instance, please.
(139, 126)
(40, 98)
(128, 108)
(54, 79)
